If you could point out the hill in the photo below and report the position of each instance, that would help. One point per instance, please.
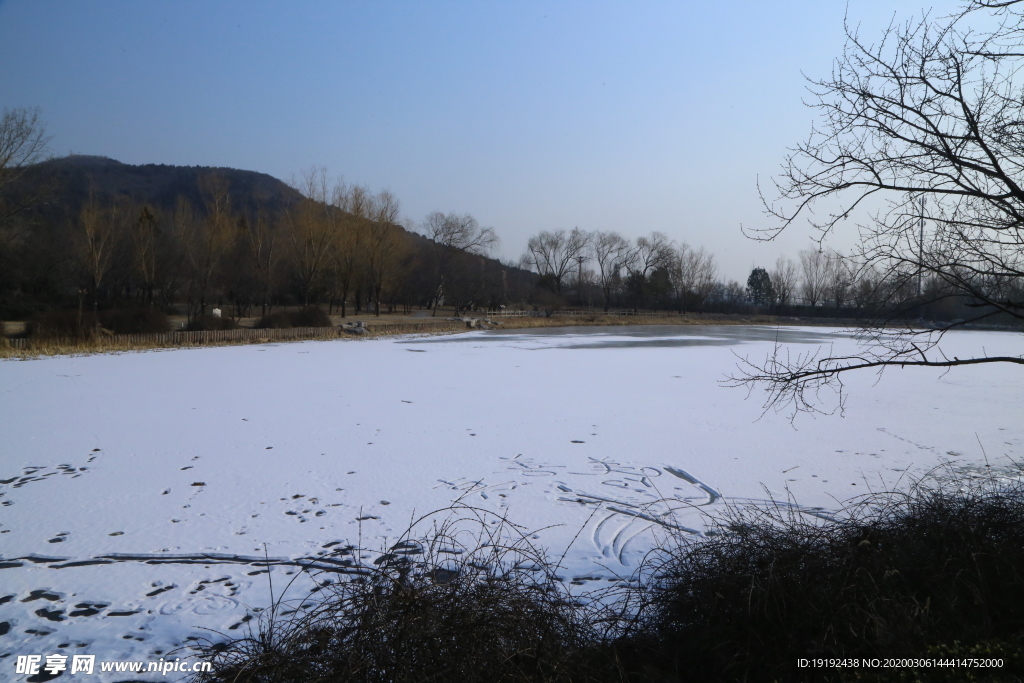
(47, 261)
(73, 177)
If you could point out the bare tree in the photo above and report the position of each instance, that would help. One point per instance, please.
(784, 279)
(347, 251)
(682, 270)
(144, 238)
(612, 253)
(264, 254)
(924, 123)
(101, 228)
(314, 226)
(204, 241)
(814, 269)
(23, 142)
(553, 253)
(652, 252)
(706, 276)
(839, 279)
(450, 234)
(383, 244)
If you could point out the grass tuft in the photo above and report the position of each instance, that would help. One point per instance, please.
(932, 572)
(934, 569)
(473, 602)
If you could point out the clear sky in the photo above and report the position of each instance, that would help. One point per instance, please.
(630, 116)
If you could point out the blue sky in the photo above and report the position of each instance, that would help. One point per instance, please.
(628, 116)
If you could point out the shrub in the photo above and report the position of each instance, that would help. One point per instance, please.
(135, 320)
(19, 307)
(493, 613)
(66, 324)
(209, 322)
(277, 320)
(547, 301)
(310, 316)
(933, 570)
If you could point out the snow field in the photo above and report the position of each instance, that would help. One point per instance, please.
(141, 493)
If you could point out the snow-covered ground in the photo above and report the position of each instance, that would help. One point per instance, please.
(141, 492)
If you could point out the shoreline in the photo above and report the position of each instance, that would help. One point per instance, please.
(388, 326)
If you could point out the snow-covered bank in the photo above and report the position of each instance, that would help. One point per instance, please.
(141, 491)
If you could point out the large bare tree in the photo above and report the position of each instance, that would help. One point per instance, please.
(652, 251)
(814, 271)
(348, 249)
(451, 234)
(920, 140)
(315, 224)
(204, 240)
(383, 244)
(262, 250)
(145, 233)
(101, 229)
(23, 142)
(613, 253)
(784, 280)
(553, 253)
(694, 276)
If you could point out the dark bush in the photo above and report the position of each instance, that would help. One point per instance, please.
(15, 307)
(209, 322)
(936, 570)
(135, 320)
(547, 301)
(310, 316)
(66, 324)
(277, 320)
(493, 614)
(932, 573)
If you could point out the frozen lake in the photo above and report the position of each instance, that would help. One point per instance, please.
(140, 491)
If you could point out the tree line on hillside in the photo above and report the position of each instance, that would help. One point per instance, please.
(335, 245)
(92, 234)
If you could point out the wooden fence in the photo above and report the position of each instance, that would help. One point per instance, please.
(239, 336)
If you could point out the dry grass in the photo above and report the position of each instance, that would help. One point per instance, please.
(599, 319)
(86, 347)
(936, 571)
(392, 326)
(933, 572)
(468, 600)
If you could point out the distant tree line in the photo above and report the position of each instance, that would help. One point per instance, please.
(606, 270)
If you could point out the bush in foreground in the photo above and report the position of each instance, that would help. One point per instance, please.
(939, 569)
(473, 603)
(935, 572)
